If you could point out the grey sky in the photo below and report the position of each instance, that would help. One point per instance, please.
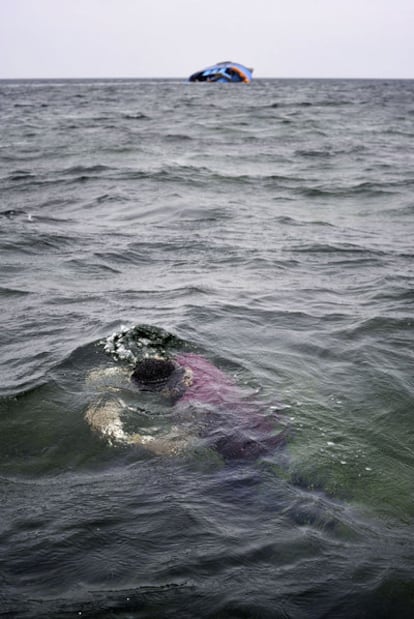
(173, 38)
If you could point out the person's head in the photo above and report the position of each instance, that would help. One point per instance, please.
(153, 374)
(163, 376)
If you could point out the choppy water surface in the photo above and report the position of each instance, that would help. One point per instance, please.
(269, 228)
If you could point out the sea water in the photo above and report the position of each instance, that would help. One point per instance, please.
(267, 227)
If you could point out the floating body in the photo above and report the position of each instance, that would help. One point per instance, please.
(229, 423)
(223, 72)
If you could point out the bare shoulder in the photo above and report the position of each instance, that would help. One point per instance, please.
(104, 418)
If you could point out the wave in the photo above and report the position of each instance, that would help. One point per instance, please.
(12, 213)
(87, 169)
(308, 104)
(93, 268)
(19, 175)
(363, 188)
(203, 175)
(13, 292)
(136, 116)
(33, 242)
(339, 248)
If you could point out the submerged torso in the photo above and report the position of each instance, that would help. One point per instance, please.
(209, 385)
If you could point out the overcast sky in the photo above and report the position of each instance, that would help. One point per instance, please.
(173, 38)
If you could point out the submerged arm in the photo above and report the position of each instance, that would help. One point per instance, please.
(104, 418)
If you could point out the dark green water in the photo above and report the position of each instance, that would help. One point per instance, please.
(270, 228)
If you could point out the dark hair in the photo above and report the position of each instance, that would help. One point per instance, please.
(152, 374)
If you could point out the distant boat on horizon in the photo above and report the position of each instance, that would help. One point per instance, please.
(223, 72)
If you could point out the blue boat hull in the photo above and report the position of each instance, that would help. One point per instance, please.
(223, 72)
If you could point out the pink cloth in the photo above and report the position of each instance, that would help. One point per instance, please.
(210, 385)
(236, 426)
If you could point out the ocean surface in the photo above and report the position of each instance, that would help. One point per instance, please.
(268, 228)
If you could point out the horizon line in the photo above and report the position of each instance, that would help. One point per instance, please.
(181, 78)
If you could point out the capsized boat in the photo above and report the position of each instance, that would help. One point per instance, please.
(223, 72)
